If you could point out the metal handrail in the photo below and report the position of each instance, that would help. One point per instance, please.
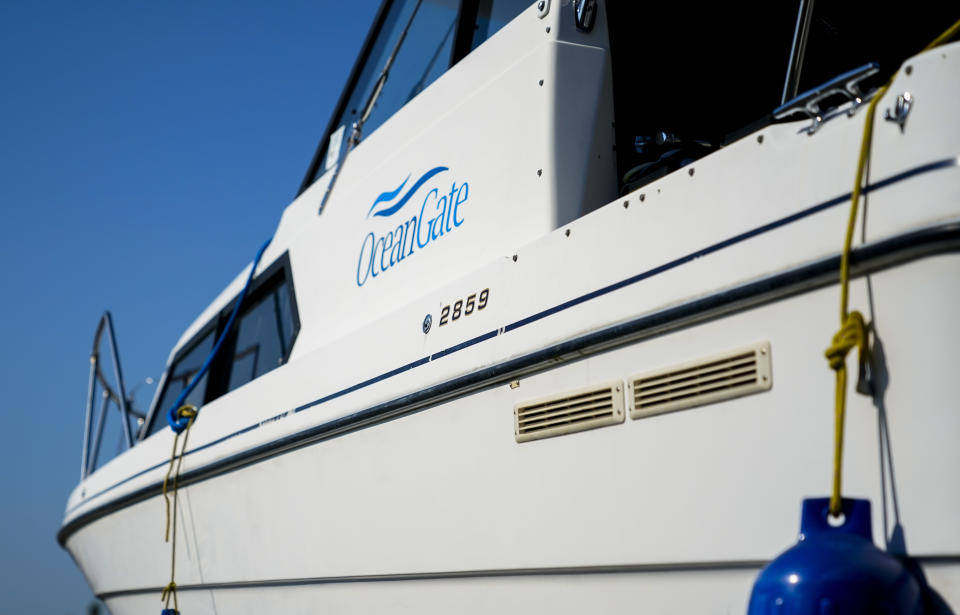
(91, 448)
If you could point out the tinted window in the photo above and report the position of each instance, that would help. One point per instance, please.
(259, 340)
(741, 50)
(423, 57)
(264, 334)
(179, 377)
(493, 15)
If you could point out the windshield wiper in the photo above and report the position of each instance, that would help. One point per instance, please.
(357, 130)
(382, 79)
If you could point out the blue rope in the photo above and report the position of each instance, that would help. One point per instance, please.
(176, 422)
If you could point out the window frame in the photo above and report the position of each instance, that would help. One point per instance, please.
(219, 375)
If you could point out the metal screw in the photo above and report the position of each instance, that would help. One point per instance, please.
(514, 258)
(427, 322)
(567, 233)
(626, 204)
(539, 172)
(759, 138)
(540, 5)
(642, 196)
(541, 82)
(690, 172)
(907, 69)
(548, 29)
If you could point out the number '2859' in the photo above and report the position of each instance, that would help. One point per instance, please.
(464, 307)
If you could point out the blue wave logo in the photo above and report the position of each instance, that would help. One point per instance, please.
(441, 212)
(386, 197)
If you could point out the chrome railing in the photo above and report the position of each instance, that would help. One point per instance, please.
(93, 433)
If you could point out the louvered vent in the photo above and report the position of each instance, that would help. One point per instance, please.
(569, 412)
(712, 379)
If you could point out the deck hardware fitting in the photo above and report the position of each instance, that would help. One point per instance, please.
(808, 103)
(585, 14)
(544, 8)
(901, 109)
(427, 323)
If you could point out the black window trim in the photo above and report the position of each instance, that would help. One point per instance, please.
(216, 379)
(462, 42)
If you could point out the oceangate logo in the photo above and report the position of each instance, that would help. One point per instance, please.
(440, 213)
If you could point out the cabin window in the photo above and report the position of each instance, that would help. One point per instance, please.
(441, 33)
(263, 336)
(181, 373)
(423, 57)
(260, 341)
(686, 82)
(493, 15)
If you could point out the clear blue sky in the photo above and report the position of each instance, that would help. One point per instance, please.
(146, 150)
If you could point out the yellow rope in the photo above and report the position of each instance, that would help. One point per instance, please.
(946, 36)
(170, 591)
(853, 330)
(853, 333)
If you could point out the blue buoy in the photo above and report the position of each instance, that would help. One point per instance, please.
(835, 570)
(169, 612)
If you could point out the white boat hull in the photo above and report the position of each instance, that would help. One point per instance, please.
(378, 469)
(442, 508)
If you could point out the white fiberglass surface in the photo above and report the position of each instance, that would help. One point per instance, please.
(449, 489)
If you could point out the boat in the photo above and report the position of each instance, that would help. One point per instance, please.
(524, 222)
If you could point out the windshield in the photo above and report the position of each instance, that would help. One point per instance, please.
(423, 57)
(428, 50)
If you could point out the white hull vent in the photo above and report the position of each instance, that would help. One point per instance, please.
(705, 381)
(569, 412)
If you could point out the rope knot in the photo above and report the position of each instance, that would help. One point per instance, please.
(187, 411)
(180, 419)
(170, 591)
(852, 334)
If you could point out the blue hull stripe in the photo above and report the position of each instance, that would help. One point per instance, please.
(926, 168)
